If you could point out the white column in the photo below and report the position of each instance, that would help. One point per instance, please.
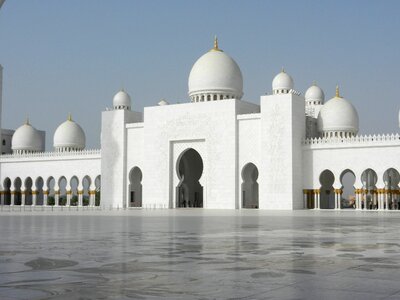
(92, 197)
(364, 194)
(34, 197)
(45, 197)
(69, 193)
(319, 199)
(57, 198)
(336, 198)
(23, 197)
(80, 197)
(12, 198)
(385, 196)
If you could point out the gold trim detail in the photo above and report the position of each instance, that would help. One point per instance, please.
(215, 48)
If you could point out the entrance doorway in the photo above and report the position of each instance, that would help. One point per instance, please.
(250, 186)
(189, 192)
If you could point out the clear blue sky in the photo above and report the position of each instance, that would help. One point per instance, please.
(73, 56)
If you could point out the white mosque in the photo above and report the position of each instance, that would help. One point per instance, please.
(216, 151)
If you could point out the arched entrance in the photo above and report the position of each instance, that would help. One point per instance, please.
(348, 197)
(391, 179)
(135, 187)
(327, 195)
(369, 196)
(189, 192)
(17, 191)
(39, 183)
(62, 191)
(7, 191)
(250, 186)
(28, 191)
(97, 184)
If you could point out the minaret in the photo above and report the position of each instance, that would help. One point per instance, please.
(1, 104)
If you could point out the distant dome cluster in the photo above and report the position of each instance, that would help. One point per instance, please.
(69, 136)
(214, 76)
(336, 118)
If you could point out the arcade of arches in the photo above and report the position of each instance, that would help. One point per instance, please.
(49, 192)
(368, 197)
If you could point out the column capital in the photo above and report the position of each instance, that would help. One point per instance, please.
(338, 191)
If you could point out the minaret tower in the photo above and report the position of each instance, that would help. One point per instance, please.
(1, 103)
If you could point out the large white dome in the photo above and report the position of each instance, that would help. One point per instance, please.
(282, 83)
(26, 139)
(69, 136)
(122, 100)
(215, 75)
(338, 115)
(314, 93)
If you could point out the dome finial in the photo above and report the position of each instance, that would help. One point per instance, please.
(337, 95)
(314, 83)
(215, 48)
(27, 121)
(69, 117)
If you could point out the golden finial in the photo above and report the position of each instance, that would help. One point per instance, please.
(337, 95)
(215, 48)
(283, 70)
(69, 117)
(27, 121)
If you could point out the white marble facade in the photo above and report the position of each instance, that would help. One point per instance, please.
(216, 151)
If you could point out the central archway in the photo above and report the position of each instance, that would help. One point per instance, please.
(189, 192)
(250, 186)
(135, 187)
(327, 195)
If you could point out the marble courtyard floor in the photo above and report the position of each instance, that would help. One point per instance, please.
(200, 254)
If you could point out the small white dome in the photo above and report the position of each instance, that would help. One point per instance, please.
(338, 115)
(282, 81)
(69, 136)
(122, 100)
(163, 102)
(314, 93)
(215, 73)
(27, 139)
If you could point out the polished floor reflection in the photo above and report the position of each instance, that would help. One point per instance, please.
(200, 254)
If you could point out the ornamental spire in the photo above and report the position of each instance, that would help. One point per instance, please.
(215, 48)
(27, 121)
(337, 95)
(69, 117)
